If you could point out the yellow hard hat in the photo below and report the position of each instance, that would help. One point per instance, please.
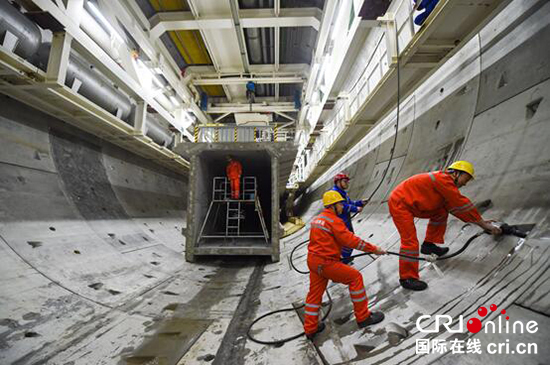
(332, 197)
(464, 166)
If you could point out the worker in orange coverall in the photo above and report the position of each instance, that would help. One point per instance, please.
(327, 237)
(431, 195)
(234, 171)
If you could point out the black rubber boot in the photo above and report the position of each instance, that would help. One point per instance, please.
(320, 328)
(413, 284)
(374, 318)
(428, 248)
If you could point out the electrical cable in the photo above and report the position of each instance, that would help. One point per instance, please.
(282, 341)
(279, 342)
(389, 161)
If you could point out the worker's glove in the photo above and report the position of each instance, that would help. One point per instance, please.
(359, 209)
(379, 251)
(489, 227)
(365, 201)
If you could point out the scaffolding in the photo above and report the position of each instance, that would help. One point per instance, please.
(234, 212)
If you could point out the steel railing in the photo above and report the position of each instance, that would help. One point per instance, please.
(225, 133)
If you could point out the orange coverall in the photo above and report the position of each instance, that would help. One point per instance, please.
(327, 237)
(430, 195)
(234, 170)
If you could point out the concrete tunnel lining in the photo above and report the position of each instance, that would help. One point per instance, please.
(130, 295)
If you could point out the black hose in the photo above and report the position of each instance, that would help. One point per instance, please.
(464, 247)
(282, 341)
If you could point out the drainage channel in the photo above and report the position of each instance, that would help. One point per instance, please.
(172, 337)
(232, 348)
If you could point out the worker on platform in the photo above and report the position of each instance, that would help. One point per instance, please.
(433, 196)
(250, 92)
(234, 171)
(327, 237)
(341, 184)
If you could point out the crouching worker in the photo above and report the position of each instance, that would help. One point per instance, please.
(432, 196)
(327, 237)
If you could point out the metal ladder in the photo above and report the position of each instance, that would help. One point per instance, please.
(232, 220)
(221, 195)
(249, 188)
(261, 216)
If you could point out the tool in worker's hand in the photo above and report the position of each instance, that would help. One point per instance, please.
(514, 230)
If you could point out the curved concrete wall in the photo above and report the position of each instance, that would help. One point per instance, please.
(84, 228)
(91, 262)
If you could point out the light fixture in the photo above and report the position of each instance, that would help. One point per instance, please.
(154, 77)
(104, 21)
(156, 80)
(174, 101)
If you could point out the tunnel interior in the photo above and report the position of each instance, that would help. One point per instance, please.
(94, 260)
(212, 164)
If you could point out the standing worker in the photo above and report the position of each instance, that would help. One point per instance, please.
(431, 195)
(250, 93)
(341, 184)
(234, 171)
(327, 237)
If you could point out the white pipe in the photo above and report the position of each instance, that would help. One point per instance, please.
(92, 28)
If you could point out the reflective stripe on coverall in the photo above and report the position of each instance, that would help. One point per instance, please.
(430, 195)
(327, 237)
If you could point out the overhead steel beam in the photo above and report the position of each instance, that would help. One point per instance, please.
(244, 108)
(131, 17)
(240, 33)
(322, 38)
(277, 44)
(265, 69)
(248, 18)
(206, 35)
(244, 80)
(88, 48)
(287, 117)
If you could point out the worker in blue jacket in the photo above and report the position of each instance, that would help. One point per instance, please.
(341, 184)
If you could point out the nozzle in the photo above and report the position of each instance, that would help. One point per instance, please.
(513, 230)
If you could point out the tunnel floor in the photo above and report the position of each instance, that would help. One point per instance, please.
(200, 313)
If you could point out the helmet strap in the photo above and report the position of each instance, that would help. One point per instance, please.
(456, 176)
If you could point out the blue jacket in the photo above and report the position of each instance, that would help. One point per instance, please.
(350, 206)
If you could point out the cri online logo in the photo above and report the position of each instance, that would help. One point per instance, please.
(474, 325)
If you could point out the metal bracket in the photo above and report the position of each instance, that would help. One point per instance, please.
(76, 85)
(388, 22)
(10, 41)
(140, 120)
(58, 61)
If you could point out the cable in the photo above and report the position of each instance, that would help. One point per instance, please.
(282, 341)
(396, 122)
(464, 247)
(385, 170)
